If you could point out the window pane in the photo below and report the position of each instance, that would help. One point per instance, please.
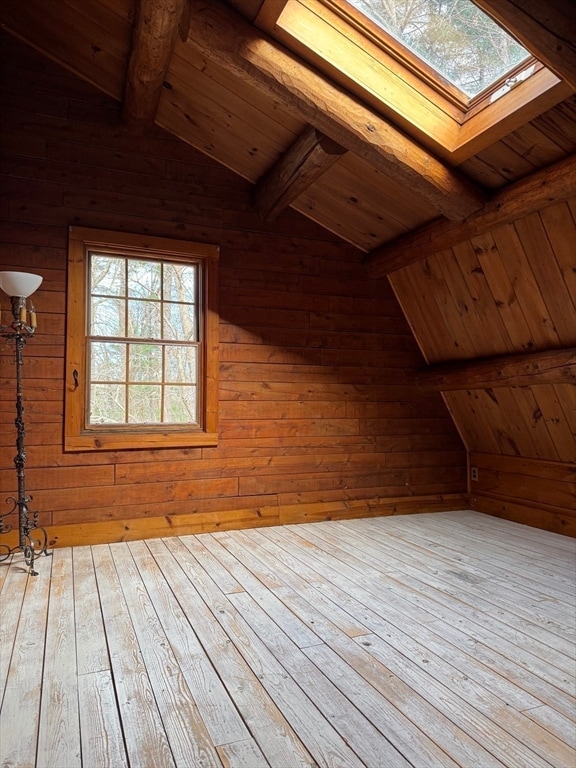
(144, 279)
(181, 365)
(144, 404)
(107, 275)
(180, 283)
(107, 317)
(145, 362)
(180, 405)
(180, 322)
(107, 362)
(456, 38)
(107, 404)
(144, 319)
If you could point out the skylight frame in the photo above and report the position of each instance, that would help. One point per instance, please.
(418, 63)
(329, 35)
(425, 71)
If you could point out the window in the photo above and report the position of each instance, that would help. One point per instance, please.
(142, 342)
(454, 37)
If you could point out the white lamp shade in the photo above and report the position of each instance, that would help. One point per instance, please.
(19, 283)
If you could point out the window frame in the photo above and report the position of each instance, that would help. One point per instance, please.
(78, 434)
(418, 65)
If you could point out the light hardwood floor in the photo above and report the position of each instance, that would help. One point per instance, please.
(428, 640)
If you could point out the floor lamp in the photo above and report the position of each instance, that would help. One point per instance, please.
(32, 540)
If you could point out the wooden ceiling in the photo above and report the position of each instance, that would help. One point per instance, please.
(206, 73)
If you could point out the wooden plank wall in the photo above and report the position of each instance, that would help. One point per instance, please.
(508, 291)
(318, 417)
(532, 491)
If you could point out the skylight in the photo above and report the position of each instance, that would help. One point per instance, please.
(454, 37)
(474, 84)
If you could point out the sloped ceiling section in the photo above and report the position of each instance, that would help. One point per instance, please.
(477, 247)
(505, 298)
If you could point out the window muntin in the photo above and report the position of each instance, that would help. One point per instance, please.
(458, 40)
(142, 342)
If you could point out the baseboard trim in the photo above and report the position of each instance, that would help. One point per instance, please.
(553, 519)
(179, 525)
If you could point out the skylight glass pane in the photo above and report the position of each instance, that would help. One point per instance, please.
(454, 37)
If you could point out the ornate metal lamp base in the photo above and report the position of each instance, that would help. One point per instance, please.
(32, 540)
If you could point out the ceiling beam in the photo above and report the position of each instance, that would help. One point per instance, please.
(539, 190)
(224, 37)
(557, 366)
(544, 27)
(311, 155)
(158, 24)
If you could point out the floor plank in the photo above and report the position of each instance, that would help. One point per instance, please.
(441, 640)
(59, 732)
(100, 725)
(91, 648)
(242, 754)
